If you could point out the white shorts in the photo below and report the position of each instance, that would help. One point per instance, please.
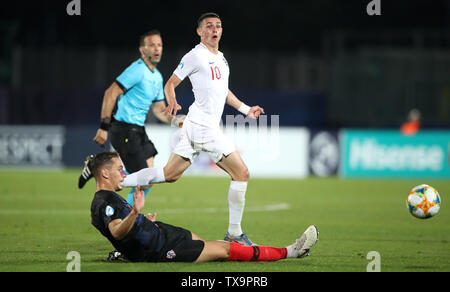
(195, 138)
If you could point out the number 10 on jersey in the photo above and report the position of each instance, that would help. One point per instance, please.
(215, 73)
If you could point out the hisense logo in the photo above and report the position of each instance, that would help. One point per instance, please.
(368, 154)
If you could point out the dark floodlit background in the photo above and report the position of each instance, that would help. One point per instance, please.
(315, 63)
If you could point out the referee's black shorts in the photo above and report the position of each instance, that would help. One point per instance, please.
(132, 144)
(179, 246)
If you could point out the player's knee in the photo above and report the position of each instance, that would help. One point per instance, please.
(223, 251)
(247, 174)
(244, 175)
(226, 251)
(240, 174)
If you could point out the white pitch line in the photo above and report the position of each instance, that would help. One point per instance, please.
(265, 208)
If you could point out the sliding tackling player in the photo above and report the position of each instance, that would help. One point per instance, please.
(140, 238)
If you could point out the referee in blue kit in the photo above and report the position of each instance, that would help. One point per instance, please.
(136, 90)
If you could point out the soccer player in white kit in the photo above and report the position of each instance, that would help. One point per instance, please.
(208, 72)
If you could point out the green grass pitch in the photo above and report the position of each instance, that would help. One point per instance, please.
(43, 216)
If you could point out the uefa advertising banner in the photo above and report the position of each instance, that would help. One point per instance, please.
(388, 153)
(26, 146)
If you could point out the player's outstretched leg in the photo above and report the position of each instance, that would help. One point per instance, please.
(222, 250)
(86, 173)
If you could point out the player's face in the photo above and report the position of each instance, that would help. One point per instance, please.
(117, 174)
(210, 31)
(152, 49)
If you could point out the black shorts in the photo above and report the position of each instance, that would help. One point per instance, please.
(179, 247)
(132, 144)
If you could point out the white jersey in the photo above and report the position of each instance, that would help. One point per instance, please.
(208, 73)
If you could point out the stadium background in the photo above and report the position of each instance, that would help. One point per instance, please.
(324, 65)
(337, 81)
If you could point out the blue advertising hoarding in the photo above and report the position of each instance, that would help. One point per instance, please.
(388, 153)
(47, 146)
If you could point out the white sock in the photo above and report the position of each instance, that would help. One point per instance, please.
(290, 251)
(236, 203)
(144, 177)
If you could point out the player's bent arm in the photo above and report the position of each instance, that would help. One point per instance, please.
(169, 91)
(119, 228)
(252, 112)
(110, 99)
(233, 101)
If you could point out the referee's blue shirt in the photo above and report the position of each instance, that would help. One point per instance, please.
(141, 88)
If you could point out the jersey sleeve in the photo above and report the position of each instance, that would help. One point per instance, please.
(187, 66)
(110, 211)
(130, 77)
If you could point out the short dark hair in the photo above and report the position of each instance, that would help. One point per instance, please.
(148, 33)
(101, 160)
(206, 15)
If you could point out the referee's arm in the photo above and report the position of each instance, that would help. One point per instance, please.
(109, 101)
